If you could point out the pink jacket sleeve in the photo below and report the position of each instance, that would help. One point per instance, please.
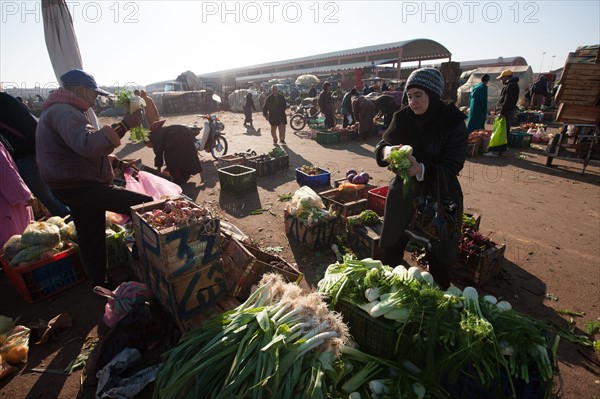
(12, 187)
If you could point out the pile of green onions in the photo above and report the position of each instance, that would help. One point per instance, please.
(279, 343)
(446, 334)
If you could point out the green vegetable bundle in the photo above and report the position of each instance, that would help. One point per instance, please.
(366, 217)
(399, 162)
(448, 335)
(277, 344)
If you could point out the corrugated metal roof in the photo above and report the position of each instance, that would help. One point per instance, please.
(298, 72)
(412, 50)
(491, 61)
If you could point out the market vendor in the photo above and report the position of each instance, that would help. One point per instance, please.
(174, 146)
(74, 160)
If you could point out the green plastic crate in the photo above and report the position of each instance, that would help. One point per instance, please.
(237, 178)
(328, 137)
(519, 139)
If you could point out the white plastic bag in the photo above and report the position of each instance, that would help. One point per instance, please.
(304, 199)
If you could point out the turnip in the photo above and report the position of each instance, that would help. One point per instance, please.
(351, 177)
(351, 172)
(365, 176)
(358, 179)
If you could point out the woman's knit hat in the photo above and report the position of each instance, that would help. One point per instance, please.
(428, 79)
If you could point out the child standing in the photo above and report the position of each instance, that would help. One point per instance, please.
(248, 107)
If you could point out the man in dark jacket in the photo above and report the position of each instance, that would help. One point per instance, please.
(539, 91)
(506, 106)
(326, 105)
(274, 112)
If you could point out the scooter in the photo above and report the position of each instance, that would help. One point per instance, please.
(213, 138)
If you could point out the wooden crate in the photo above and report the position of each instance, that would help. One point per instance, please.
(574, 113)
(344, 203)
(314, 237)
(175, 250)
(364, 241)
(229, 160)
(187, 294)
(244, 265)
(483, 268)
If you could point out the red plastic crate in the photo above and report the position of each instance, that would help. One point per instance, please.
(47, 277)
(376, 199)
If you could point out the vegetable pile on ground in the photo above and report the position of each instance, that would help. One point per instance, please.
(453, 338)
(279, 343)
(177, 213)
(40, 240)
(478, 136)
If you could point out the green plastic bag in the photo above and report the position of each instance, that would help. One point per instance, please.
(499, 134)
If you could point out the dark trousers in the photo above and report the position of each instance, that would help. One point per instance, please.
(394, 256)
(88, 209)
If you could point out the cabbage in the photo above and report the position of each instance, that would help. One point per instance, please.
(399, 163)
(12, 247)
(41, 233)
(31, 254)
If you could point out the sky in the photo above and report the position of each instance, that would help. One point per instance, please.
(145, 41)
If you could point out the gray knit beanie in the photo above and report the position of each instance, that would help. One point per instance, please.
(428, 79)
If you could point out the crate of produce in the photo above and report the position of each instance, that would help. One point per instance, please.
(264, 165)
(282, 162)
(117, 254)
(315, 237)
(344, 203)
(47, 277)
(230, 160)
(519, 139)
(376, 199)
(244, 265)
(327, 137)
(176, 249)
(473, 149)
(472, 220)
(377, 337)
(364, 241)
(479, 269)
(237, 178)
(187, 294)
(320, 178)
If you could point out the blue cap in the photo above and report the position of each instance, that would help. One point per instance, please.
(77, 77)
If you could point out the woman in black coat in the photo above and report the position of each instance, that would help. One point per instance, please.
(438, 135)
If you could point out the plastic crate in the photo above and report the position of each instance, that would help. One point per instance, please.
(313, 181)
(229, 160)
(117, 254)
(519, 139)
(47, 277)
(327, 137)
(376, 199)
(377, 337)
(237, 178)
(264, 166)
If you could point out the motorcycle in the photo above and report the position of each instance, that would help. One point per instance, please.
(305, 114)
(213, 139)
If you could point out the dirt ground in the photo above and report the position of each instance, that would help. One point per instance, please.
(548, 218)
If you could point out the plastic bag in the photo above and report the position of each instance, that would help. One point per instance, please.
(303, 200)
(15, 347)
(499, 134)
(41, 233)
(121, 300)
(157, 187)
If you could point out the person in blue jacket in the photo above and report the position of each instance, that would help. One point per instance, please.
(478, 105)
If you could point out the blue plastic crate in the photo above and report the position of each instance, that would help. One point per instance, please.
(313, 181)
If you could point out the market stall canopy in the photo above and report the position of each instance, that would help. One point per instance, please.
(368, 56)
(524, 73)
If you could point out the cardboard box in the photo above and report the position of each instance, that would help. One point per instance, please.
(244, 266)
(175, 250)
